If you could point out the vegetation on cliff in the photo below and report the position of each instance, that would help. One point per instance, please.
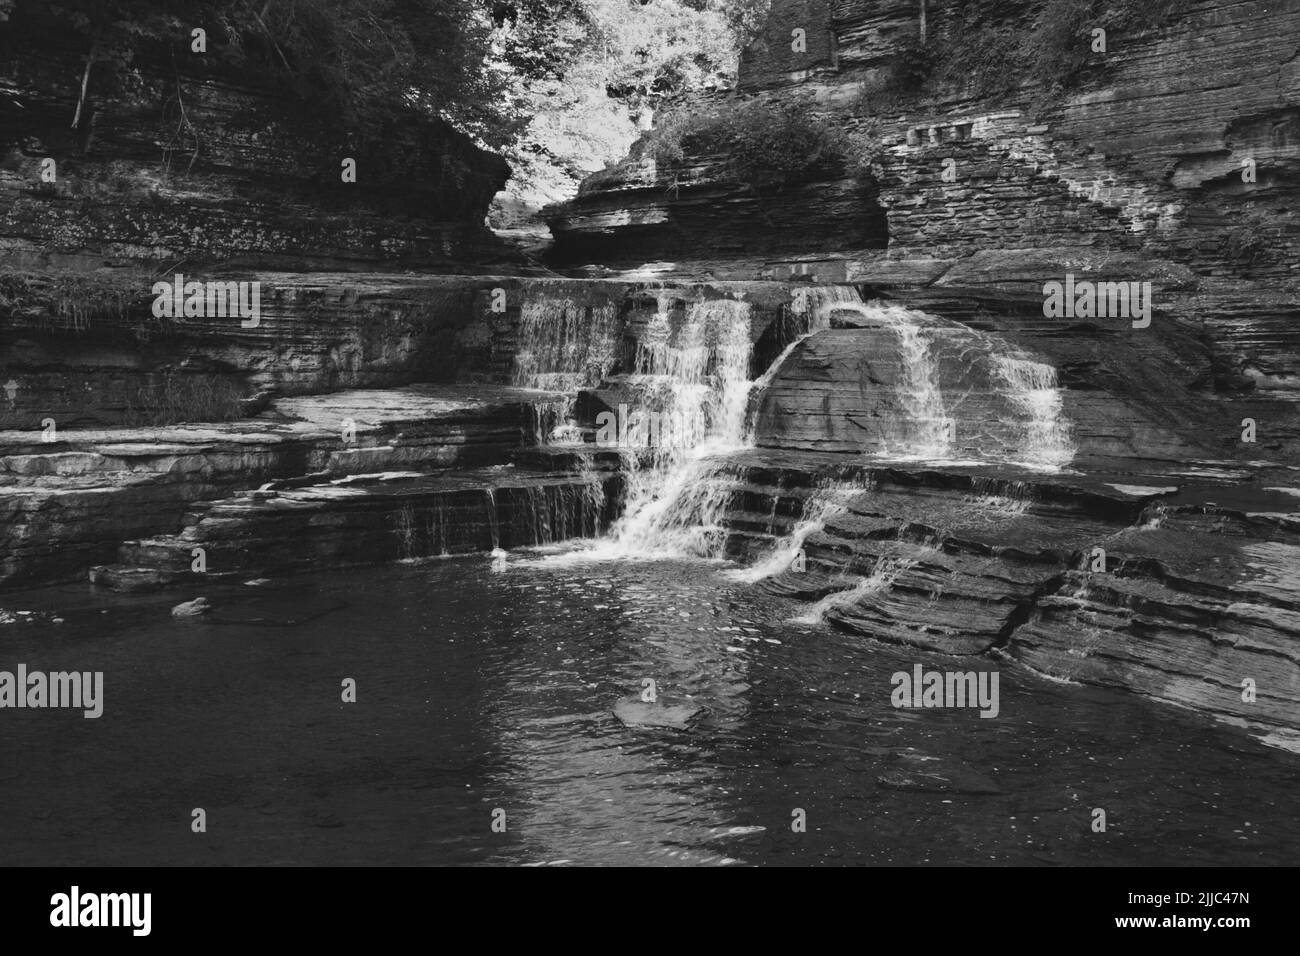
(560, 87)
(599, 70)
(761, 142)
(366, 61)
(990, 49)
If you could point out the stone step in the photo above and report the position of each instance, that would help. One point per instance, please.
(69, 504)
(368, 519)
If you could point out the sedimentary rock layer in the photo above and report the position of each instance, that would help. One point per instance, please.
(69, 503)
(188, 162)
(1154, 588)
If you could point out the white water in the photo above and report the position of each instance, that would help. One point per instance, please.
(813, 305)
(881, 578)
(691, 373)
(816, 303)
(1033, 388)
(928, 428)
(825, 503)
(564, 345)
(697, 377)
(926, 431)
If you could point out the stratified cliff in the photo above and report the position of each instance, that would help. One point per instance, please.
(980, 189)
(184, 161)
(185, 164)
(1143, 151)
(992, 154)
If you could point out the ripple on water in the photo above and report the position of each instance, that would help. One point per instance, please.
(480, 691)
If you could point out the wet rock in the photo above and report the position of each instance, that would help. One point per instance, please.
(196, 608)
(1198, 603)
(370, 519)
(921, 773)
(634, 712)
(66, 511)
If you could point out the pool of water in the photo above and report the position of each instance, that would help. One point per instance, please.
(481, 691)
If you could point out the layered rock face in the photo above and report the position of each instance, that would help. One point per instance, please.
(1101, 498)
(367, 520)
(68, 504)
(1083, 579)
(187, 163)
(324, 388)
(1148, 154)
(1101, 535)
(317, 332)
(1006, 386)
(631, 214)
(1135, 174)
(182, 169)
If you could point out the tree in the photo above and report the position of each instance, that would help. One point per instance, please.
(367, 61)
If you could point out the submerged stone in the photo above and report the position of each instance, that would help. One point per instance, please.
(634, 712)
(926, 774)
(196, 608)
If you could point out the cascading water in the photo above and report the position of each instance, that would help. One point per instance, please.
(931, 430)
(813, 307)
(1034, 389)
(881, 578)
(816, 303)
(690, 376)
(825, 503)
(696, 378)
(563, 346)
(926, 430)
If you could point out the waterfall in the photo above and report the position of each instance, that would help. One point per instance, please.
(926, 430)
(494, 522)
(689, 376)
(930, 431)
(564, 345)
(824, 503)
(697, 378)
(881, 578)
(1034, 390)
(816, 303)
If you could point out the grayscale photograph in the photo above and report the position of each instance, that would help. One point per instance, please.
(656, 433)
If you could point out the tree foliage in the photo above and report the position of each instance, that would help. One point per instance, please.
(608, 66)
(561, 87)
(367, 61)
(760, 143)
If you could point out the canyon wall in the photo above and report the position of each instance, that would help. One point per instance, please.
(182, 161)
(1134, 172)
(185, 166)
(1143, 153)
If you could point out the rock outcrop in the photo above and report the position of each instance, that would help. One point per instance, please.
(1179, 588)
(1150, 167)
(193, 163)
(318, 332)
(68, 504)
(325, 387)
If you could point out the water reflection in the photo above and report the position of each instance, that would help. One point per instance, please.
(481, 690)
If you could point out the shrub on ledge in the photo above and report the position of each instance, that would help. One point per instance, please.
(761, 143)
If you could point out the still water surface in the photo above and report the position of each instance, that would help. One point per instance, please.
(479, 690)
